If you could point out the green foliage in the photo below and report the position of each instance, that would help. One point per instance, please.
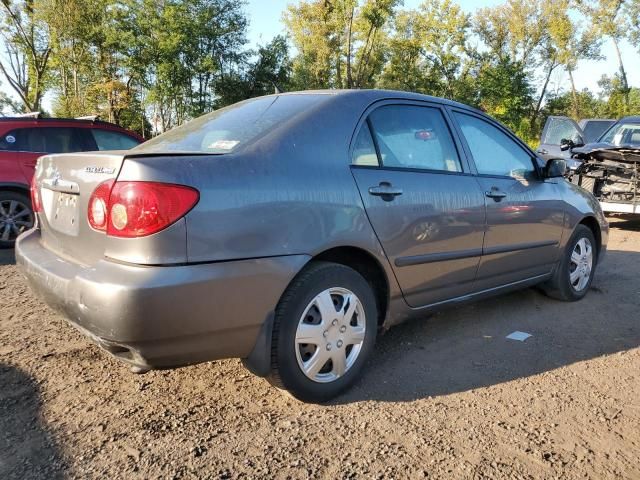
(504, 92)
(151, 65)
(427, 51)
(340, 43)
(270, 71)
(27, 41)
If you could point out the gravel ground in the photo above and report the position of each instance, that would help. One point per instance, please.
(447, 396)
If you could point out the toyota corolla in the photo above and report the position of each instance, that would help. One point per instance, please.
(289, 230)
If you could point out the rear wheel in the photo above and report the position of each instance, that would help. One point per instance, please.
(16, 216)
(575, 272)
(324, 330)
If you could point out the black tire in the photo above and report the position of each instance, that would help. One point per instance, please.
(286, 372)
(6, 197)
(560, 286)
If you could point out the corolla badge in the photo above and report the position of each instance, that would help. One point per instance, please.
(104, 170)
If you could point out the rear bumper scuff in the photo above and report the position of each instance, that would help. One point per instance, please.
(161, 317)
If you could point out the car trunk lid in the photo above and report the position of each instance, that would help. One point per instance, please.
(65, 183)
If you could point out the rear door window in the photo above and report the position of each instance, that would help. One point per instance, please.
(110, 140)
(411, 136)
(51, 140)
(9, 141)
(364, 150)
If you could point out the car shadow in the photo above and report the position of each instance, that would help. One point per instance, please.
(27, 448)
(625, 222)
(7, 257)
(465, 348)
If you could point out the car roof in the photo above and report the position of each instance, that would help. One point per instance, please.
(379, 94)
(634, 119)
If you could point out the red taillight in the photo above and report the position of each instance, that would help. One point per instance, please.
(98, 209)
(137, 209)
(36, 203)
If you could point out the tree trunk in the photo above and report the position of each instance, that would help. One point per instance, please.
(349, 49)
(623, 75)
(534, 117)
(574, 95)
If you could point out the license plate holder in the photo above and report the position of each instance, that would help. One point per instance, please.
(64, 217)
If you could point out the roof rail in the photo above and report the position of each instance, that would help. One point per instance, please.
(93, 118)
(29, 115)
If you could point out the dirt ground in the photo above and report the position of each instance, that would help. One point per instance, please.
(447, 396)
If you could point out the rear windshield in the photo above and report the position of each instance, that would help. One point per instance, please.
(227, 129)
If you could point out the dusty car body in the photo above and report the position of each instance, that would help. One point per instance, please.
(287, 230)
(610, 167)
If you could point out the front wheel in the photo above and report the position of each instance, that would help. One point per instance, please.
(324, 330)
(576, 269)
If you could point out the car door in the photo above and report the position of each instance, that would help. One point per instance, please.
(11, 170)
(423, 203)
(556, 129)
(525, 215)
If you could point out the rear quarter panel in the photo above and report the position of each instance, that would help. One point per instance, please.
(290, 193)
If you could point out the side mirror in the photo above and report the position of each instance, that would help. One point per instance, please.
(566, 144)
(555, 168)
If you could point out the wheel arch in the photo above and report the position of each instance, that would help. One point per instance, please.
(592, 224)
(15, 187)
(367, 265)
(362, 261)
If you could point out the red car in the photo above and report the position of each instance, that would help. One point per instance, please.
(23, 140)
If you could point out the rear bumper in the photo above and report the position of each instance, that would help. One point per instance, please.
(161, 317)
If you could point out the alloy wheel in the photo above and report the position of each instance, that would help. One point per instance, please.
(15, 218)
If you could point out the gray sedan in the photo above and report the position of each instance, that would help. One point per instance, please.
(290, 230)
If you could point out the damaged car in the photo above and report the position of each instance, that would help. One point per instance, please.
(610, 167)
(558, 128)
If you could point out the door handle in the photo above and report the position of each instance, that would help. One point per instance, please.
(386, 191)
(542, 151)
(496, 194)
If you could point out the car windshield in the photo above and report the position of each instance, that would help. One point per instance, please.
(623, 134)
(224, 130)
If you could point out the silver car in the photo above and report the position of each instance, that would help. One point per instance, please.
(289, 230)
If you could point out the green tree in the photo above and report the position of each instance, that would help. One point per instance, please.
(339, 42)
(180, 52)
(268, 72)
(428, 51)
(569, 43)
(27, 42)
(562, 103)
(504, 92)
(608, 19)
(632, 12)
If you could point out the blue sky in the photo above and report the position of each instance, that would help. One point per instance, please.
(265, 18)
